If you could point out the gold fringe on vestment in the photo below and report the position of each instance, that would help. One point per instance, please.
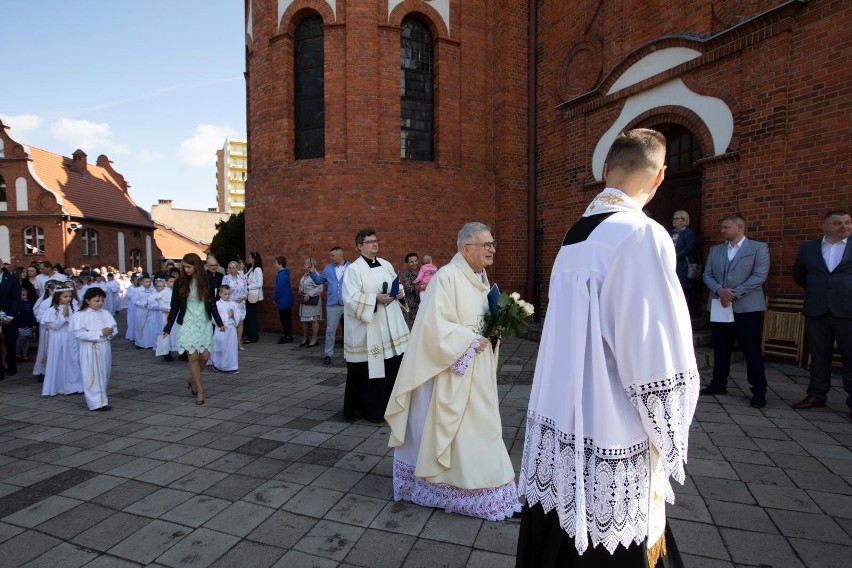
(657, 550)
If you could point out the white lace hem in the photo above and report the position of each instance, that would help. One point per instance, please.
(492, 504)
(608, 501)
(665, 406)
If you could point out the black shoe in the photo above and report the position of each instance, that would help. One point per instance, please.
(41, 378)
(168, 358)
(285, 340)
(103, 408)
(247, 341)
(183, 356)
(757, 402)
(712, 389)
(326, 360)
(11, 371)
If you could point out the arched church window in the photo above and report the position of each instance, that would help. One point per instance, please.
(682, 150)
(33, 241)
(417, 108)
(309, 89)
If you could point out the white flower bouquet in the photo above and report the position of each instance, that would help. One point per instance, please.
(508, 316)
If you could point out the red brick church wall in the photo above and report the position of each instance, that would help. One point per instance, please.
(784, 75)
(302, 208)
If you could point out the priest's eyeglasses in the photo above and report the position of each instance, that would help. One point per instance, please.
(373, 242)
(492, 245)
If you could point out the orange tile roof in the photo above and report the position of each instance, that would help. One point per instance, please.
(94, 195)
(174, 245)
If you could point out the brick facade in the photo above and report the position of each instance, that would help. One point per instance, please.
(782, 69)
(762, 86)
(63, 244)
(302, 208)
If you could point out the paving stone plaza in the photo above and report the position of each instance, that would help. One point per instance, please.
(269, 473)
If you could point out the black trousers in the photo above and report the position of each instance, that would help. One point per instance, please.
(746, 329)
(543, 544)
(251, 327)
(286, 317)
(823, 331)
(10, 340)
(369, 396)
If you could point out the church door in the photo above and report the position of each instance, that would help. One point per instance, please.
(681, 190)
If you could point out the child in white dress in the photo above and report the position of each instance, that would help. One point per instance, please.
(111, 289)
(39, 309)
(170, 284)
(224, 354)
(141, 295)
(130, 334)
(158, 310)
(93, 327)
(123, 286)
(62, 368)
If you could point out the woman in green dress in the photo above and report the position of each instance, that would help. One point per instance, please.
(193, 306)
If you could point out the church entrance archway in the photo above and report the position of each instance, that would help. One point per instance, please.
(681, 190)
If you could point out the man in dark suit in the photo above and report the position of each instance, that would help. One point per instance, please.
(214, 278)
(734, 274)
(824, 269)
(10, 305)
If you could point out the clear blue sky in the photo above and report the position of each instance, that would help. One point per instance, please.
(155, 85)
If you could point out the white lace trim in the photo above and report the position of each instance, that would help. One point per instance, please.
(609, 500)
(460, 366)
(613, 499)
(492, 504)
(666, 405)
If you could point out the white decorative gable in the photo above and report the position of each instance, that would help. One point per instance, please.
(440, 6)
(284, 4)
(653, 64)
(713, 112)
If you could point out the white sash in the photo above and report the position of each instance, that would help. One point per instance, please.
(375, 341)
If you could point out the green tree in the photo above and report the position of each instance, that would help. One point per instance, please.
(230, 240)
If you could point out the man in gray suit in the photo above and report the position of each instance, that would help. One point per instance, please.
(824, 269)
(735, 273)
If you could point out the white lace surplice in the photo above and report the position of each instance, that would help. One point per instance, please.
(615, 384)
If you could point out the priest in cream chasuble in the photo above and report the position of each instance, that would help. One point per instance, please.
(444, 410)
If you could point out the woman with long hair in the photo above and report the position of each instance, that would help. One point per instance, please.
(192, 308)
(255, 296)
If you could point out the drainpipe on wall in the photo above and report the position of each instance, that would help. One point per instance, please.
(532, 136)
(63, 227)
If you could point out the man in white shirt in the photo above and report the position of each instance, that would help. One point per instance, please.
(45, 269)
(824, 269)
(734, 274)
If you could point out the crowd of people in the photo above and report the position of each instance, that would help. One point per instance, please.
(615, 386)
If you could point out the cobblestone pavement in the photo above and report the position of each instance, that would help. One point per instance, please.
(268, 473)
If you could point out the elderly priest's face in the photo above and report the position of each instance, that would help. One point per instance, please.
(479, 250)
